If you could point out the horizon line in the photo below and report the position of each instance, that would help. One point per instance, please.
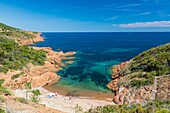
(103, 31)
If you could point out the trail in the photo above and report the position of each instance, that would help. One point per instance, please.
(155, 87)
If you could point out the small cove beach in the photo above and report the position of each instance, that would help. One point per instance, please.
(65, 105)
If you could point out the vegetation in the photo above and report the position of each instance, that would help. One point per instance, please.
(21, 100)
(78, 109)
(35, 97)
(14, 33)
(13, 56)
(2, 110)
(4, 90)
(2, 99)
(17, 75)
(144, 67)
(28, 88)
(151, 107)
(1, 81)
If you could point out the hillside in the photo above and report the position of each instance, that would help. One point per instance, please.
(20, 36)
(145, 77)
(21, 64)
(13, 56)
(142, 69)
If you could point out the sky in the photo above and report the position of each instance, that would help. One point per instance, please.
(87, 15)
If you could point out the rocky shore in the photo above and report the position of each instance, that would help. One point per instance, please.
(62, 102)
(29, 41)
(34, 74)
(125, 94)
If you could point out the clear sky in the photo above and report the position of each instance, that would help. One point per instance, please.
(86, 15)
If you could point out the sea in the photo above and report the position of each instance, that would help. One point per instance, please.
(96, 54)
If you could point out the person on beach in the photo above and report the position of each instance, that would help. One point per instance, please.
(50, 95)
(64, 97)
(56, 94)
(74, 98)
(70, 98)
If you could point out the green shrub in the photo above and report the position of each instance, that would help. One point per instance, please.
(78, 109)
(21, 100)
(17, 75)
(151, 107)
(150, 63)
(1, 81)
(13, 56)
(35, 97)
(163, 111)
(4, 90)
(2, 110)
(2, 99)
(139, 83)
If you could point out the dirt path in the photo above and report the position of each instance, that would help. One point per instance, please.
(155, 87)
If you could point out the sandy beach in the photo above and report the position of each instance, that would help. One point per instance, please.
(63, 104)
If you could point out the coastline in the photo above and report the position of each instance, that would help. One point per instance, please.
(67, 106)
(80, 93)
(47, 74)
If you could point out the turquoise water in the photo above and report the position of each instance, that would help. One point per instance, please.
(96, 53)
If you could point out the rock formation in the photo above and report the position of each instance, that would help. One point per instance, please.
(37, 75)
(125, 94)
(28, 41)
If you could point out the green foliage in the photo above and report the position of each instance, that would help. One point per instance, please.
(2, 110)
(13, 56)
(152, 107)
(4, 90)
(14, 33)
(21, 100)
(28, 85)
(2, 99)
(35, 97)
(17, 75)
(78, 109)
(1, 82)
(143, 68)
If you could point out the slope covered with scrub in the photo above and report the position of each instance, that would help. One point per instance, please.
(20, 36)
(144, 78)
(154, 62)
(13, 56)
(14, 33)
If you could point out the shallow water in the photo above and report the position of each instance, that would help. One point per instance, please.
(96, 53)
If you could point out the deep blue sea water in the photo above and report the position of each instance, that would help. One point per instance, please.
(96, 53)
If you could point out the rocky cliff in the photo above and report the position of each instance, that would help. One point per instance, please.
(37, 38)
(37, 75)
(20, 36)
(146, 77)
(20, 64)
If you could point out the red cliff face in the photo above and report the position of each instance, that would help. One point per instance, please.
(37, 75)
(113, 85)
(29, 41)
(125, 94)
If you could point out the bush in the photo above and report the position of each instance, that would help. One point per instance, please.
(1, 81)
(150, 63)
(35, 97)
(17, 75)
(13, 56)
(21, 100)
(151, 107)
(2, 99)
(6, 91)
(2, 110)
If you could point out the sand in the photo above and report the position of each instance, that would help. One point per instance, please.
(67, 106)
